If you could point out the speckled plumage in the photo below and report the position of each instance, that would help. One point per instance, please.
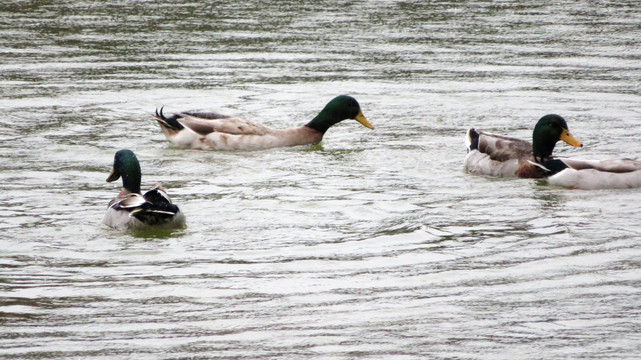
(496, 155)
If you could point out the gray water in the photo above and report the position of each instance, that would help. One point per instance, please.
(370, 245)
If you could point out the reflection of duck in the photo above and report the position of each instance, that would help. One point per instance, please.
(130, 209)
(490, 154)
(211, 131)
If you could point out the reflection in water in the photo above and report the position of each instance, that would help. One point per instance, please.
(371, 244)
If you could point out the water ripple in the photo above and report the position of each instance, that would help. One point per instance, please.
(372, 244)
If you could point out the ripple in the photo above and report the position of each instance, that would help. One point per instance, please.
(372, 244)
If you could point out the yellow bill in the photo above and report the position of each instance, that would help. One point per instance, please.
(569, 139)
(361, 119)
(113, 175)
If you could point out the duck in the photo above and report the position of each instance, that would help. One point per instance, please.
(497, 155)
(214, 131)
(132, 210)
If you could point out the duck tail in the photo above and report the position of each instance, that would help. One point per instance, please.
(168, 123)
(472, 140)
(157, 208)
(157, 195)
(154, 216)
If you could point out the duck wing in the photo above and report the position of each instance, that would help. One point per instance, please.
(496, 155)
(157, 208)
(119, 211)
(498, 147)
(611, 166)
(154, 208)
(213, 131)
(127, 201)
(598, 174)
(228, 125)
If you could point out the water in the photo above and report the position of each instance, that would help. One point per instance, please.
(370, 245)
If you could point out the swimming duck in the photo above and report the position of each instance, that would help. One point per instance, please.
(130, 209)
(213, 131)
(495, 155)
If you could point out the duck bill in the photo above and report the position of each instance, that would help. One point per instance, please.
(361, 119)
(569, 139)
(113, 176)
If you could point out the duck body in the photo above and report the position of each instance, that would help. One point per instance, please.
(132, 210)
(598, 174)
(495, 155)
(154, 209)
(197, 131)
(213, 131)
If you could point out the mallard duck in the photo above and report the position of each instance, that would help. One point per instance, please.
(495, 155)
(213, 131)
(130, 209)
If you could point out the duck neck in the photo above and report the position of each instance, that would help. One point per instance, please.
(542, 150)
(131, 176)
(323, 121)
(552, 166)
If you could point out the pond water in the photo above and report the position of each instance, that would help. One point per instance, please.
(369, 245)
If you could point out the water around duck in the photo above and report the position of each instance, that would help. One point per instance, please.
(371, 244)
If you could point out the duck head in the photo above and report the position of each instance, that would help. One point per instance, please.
(126, 166)
(338, 109)
(550, 129)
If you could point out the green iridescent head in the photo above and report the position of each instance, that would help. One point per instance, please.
(547, 132)
(338, 109)
(126, 166)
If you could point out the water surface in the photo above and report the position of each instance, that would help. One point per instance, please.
(372, 244)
